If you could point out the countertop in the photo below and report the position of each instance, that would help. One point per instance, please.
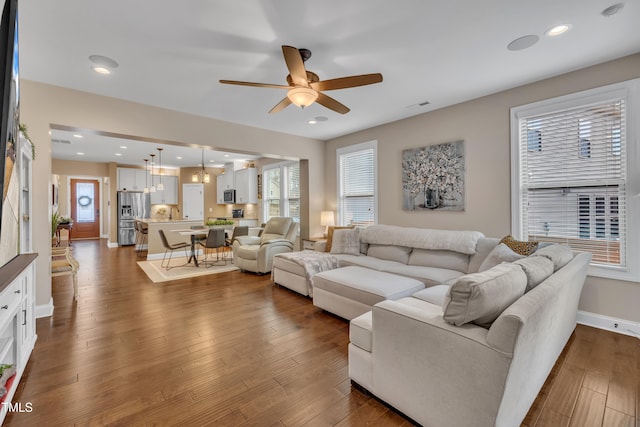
(169, 221)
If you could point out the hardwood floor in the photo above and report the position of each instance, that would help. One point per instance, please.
(232, 349)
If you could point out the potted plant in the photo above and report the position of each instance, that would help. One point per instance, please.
(219, 223)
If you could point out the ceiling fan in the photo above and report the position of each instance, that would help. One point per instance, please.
(305, 87)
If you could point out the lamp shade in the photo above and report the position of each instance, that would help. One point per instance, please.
(302, 96)
(327, 219)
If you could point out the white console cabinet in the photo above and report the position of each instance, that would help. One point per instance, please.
(17, 319)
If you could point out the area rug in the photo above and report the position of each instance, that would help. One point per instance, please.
(179, 270)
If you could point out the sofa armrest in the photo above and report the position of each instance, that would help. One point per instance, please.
(247, 240)
(279, 242)
(423, 365)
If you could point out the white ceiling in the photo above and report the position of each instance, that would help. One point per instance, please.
(172, 54)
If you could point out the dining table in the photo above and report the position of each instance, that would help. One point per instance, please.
(195, 235)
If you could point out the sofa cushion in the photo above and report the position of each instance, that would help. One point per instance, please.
(367, 262)
(430, 276)
(360, 331)
(537, 269)
(365, 285)
(346, 241)
(246, 252)
(483, 248)
(520, 247)
(481, 297)
(441, 259)
(389, 252)
(276, 228)
(434, 294)
(559, 254)
(330, 231)
(499, 254)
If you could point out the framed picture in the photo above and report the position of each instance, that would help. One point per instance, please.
(433, 177)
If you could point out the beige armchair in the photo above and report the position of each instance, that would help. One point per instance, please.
(253, 253)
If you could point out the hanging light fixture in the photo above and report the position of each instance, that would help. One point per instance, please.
(302, 96)
(152, 189)
(146, 181)
(160, 186)
(202, 175)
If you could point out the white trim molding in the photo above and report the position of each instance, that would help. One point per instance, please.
(625, 327)
(45, 310)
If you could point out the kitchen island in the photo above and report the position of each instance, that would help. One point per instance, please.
(154, 244)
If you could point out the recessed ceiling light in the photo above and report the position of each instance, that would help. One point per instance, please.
(523, 42)
(212, 161)
(558, 29)
(77, 135)
(226, 155)
(321, 119)
(118, 154)
(124, 147)
(80, 154)
(312, 122)
(612, 10)
(179, 157)
(101, 70)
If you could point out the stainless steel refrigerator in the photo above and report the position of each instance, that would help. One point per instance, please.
(131, 205)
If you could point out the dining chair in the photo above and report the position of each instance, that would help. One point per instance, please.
(215, 240)
(169, 248)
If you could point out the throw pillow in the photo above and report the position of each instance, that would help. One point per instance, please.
(499, 254)
(330, 231)
(346, 241)
(481, 297)
(537, 269)
(520, 247)
(559, 254)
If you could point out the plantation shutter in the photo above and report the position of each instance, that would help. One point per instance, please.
(572, 178)
(293, 191)
(357, 187)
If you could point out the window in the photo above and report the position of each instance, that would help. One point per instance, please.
(357, 184)
(281, 198)
(572, 173)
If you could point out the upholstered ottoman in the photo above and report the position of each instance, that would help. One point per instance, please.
(351, 291)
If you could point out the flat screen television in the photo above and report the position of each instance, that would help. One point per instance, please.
(9, 128)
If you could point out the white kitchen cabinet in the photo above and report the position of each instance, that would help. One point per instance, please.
(247, 186)
(223, 182)
(131, 179)
(168, 196)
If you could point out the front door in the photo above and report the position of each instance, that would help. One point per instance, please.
(85, 208)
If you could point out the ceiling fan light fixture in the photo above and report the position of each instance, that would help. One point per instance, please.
(302, 96)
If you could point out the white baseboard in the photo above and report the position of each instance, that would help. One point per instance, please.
(44, 310)
(625, 327)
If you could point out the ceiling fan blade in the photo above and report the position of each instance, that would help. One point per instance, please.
(234, 82)
(332, 104)
(280, 105)
(347, 82)
(295, 65)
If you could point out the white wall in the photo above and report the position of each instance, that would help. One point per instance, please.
(44, 105)
(484, 126)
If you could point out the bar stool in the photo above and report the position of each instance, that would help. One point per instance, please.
(142, 236)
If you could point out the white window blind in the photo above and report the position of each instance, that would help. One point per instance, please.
(573, 179)
(357, 185)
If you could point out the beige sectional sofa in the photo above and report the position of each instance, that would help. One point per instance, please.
(475, 345)
(407, 354)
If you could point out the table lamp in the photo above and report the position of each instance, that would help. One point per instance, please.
(327, 219)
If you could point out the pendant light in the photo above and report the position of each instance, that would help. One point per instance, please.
(152, 189)
(202, 175)
(146, 181)
(160, 186)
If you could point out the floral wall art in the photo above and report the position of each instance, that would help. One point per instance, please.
(433, 177)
